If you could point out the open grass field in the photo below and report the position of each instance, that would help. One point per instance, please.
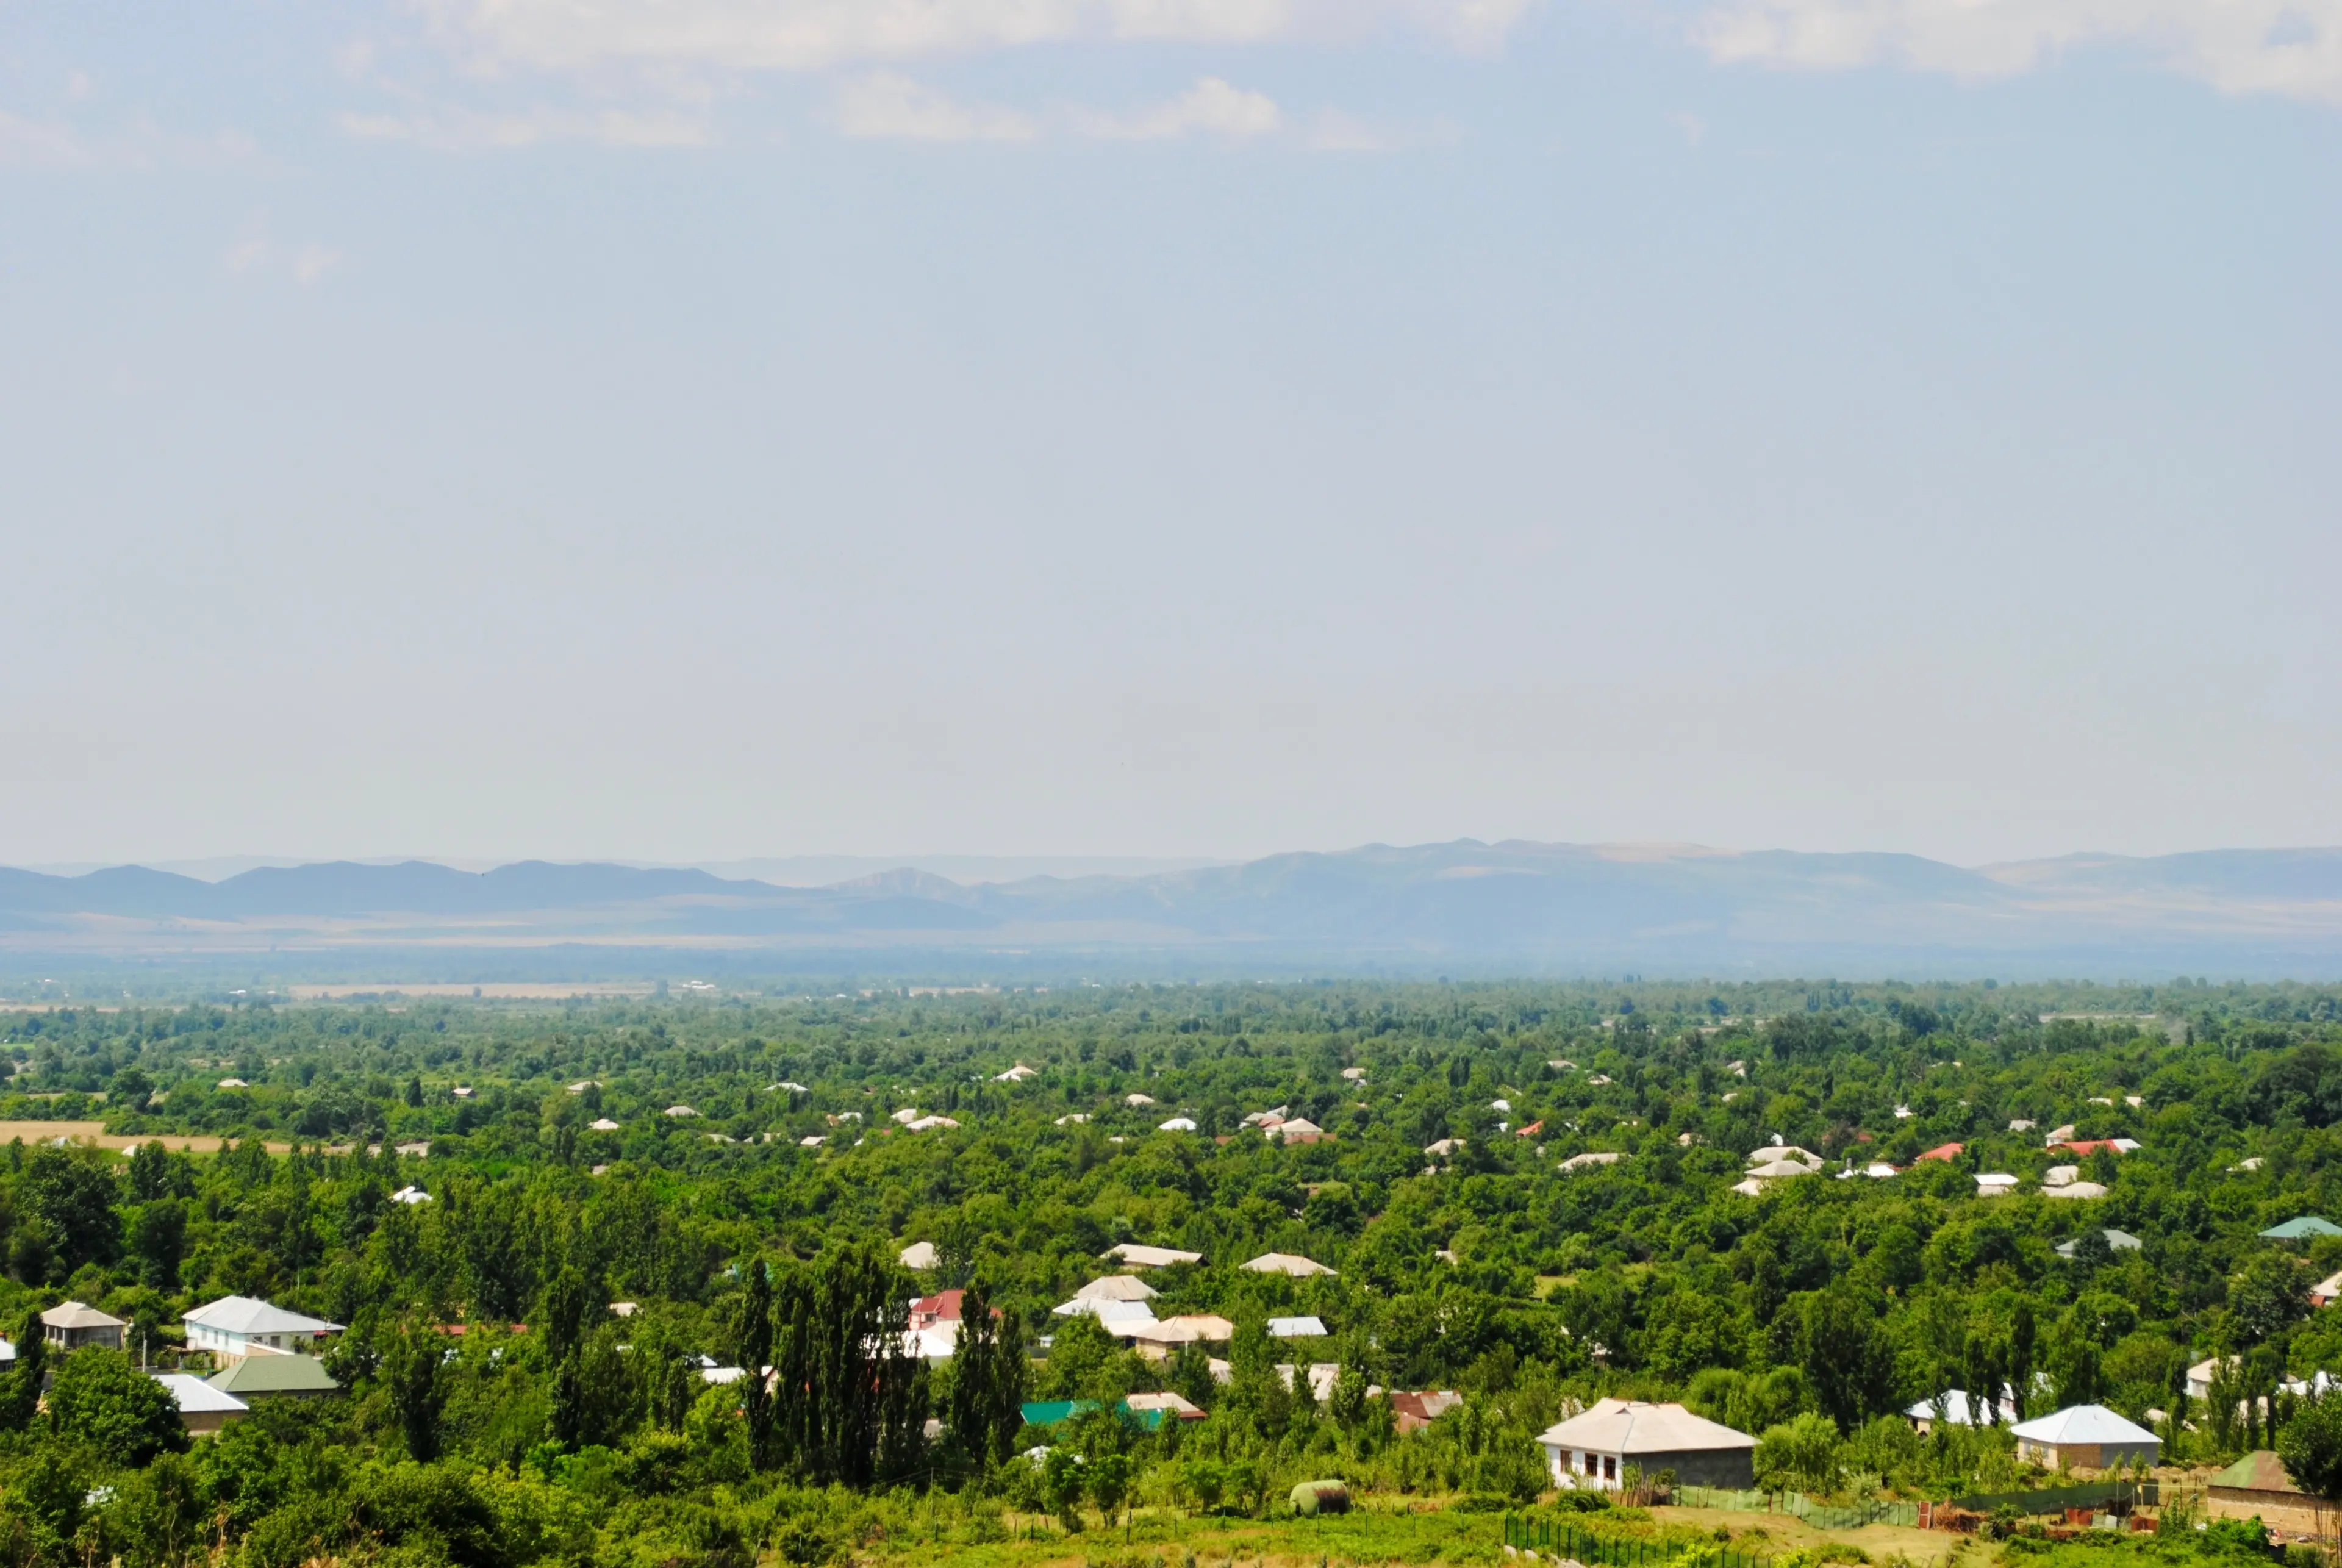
(1781, 1533)
(94, 1133)
(1378, 1534)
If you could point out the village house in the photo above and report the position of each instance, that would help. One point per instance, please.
(1597, 1448)
(73, 1324)
(2257, 1487)
(2086, 1437)
(233, 1327)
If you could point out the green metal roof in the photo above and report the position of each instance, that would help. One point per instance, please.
(2258, 1472)
(2295, 1230)
(266, 1374)
(1049, 1412)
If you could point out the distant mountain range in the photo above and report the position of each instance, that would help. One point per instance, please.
(1516, 907)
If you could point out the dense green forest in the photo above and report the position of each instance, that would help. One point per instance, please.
(764, 1229)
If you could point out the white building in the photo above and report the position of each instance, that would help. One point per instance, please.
(233, 1327)
(1594, 1450)
(2086, 1437)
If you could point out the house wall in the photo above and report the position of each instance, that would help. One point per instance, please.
(2090, 1456)
(1735, 1468)
(202, 1420)
(2285, 1512)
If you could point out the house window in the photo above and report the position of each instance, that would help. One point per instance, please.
(1609, 1468)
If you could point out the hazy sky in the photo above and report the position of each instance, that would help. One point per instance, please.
(686, 429)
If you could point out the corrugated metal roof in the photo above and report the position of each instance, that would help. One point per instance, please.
(274, 1374)
(1624, 1426)
(2083, 1424)
(248, 1314)
(197, 1397)
(2261, 1471)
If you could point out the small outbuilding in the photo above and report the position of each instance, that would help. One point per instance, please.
(202, 1407)
(2086, 1437)
(1593, 1451)
(2257, 1487)
(258, 1377)
(2117, 1242)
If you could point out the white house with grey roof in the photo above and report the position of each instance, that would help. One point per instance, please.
(2086, 1437)
(233, 1327)
(1594, 1450)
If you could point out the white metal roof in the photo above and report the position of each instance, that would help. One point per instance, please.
(2083, 1424)
(1624, 1426)
(79, 1314)
(1152, 1257)
(1299, 1268)
(197, 1397)
(1959, 1410)
(1115, 1288)
(245, 1314)
(1296, 1328)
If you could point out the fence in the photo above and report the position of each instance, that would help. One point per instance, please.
(2056, 1499)
(1820, 1515)
(1565, 1539)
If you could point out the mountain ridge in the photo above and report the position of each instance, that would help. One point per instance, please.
(1536, 901)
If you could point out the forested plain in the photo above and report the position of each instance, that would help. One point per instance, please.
(764, 1229)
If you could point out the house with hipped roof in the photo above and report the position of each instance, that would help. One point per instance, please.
(1594, 1449)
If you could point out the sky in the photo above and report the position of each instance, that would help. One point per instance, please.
(690, 429)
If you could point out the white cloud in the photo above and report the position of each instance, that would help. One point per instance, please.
(454, 130)
(2290, 47)
(29, 143)
(254, 254)
(1209, 108)
(313, 262)
(44, 145)
(815, 35)
(886, 106)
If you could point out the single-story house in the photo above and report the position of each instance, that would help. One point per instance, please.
(1116, 1288)
(1417, 1411)
(1296, 1328)
(1591, 1157)
(1159, 1405)
(1772, 1151)
(237, 1326)
(73, 1324)
(2117, 1241)
(2093, 1145)
(1945, 1152)
(2086, 1437)
(2257, 1487)
(1595, 1448)
(258, 1377)
(2301, 1229)
(1188, 1328)
(1140, 1257)
(2325, 1291)
(1993, 1184)
(2075, 1190)
(1288, 1263)
(202, 1407)
(1323, 1376)
(1958, 1410)
(944, 1306)
(919, 1256)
